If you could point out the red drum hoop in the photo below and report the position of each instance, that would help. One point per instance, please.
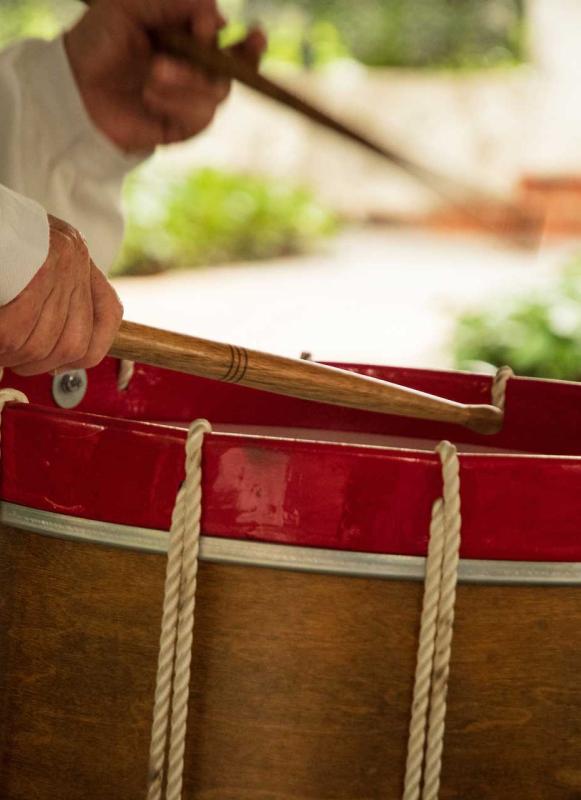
(521, 499)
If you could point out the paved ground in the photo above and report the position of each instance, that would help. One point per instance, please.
(375, 295)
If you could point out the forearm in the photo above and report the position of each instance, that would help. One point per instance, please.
(50, 150)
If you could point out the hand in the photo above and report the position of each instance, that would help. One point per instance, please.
(66, 317)
(139, 98)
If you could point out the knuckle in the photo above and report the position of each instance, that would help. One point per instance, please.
(81, 250)
(93, 357)
(69, 241)
(62, 230)
(68, 230)
(95, 354)
(80, 243)
(63, 245)
(71, 350)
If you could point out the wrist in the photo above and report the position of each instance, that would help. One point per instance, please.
(76, 46)
(107, 150)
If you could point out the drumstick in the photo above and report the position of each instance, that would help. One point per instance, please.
(293, 377)
(462, 196)
(221, 63)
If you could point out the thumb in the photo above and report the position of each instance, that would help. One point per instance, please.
(251, 49)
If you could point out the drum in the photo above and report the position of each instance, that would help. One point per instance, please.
(315, 524)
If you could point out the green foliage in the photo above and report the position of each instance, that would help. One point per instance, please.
(538, 335)
(313, 44)
(379, 33)
(294, 36)
(38, 18)
(19, 18)
(212, 217)
(431, 34)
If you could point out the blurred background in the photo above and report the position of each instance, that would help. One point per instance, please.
(271, 233)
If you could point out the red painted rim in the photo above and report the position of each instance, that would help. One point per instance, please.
(103, 462)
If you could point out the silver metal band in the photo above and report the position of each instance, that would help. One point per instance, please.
(278, 556)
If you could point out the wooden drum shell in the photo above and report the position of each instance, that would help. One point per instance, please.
(301, 683)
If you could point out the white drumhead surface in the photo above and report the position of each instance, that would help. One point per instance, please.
(344, 437)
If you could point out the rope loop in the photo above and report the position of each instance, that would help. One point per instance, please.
(125, 374)
(499, 383)
(168, 732)
(9, 396)
(427, 724)
(428, 714)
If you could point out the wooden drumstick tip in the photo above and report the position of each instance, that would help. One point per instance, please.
(483, 419)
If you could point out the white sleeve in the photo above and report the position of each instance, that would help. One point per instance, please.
(51, 151)
(23, 242)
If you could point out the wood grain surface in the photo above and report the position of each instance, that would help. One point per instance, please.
(293, 377)
(301, 683)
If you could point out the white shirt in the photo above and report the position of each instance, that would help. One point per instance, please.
(52, 159)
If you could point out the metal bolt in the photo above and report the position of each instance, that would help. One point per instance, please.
(71, 382)
(69, 388)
